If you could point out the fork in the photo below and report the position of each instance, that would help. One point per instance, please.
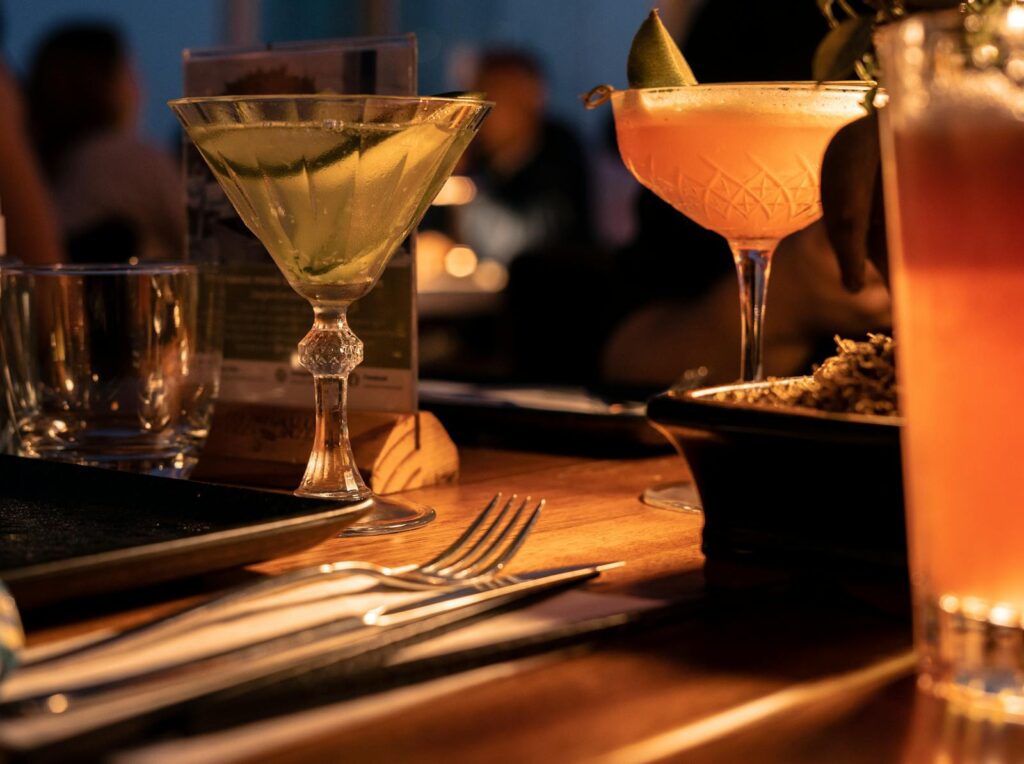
(457, 563)
(466, 559)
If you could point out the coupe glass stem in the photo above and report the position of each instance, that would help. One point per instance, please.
(753, 266)
(330, 351)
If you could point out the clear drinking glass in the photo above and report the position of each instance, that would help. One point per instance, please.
(743, 160)
(332, 185)
(953, 168)
(111, 365)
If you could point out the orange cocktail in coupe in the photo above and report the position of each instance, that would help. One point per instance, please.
(742, 160)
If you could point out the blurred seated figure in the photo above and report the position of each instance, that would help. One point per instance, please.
(529, 170)
(532, 213)
(676, 282)
(615, 192)
(31, 228)
(116, 197)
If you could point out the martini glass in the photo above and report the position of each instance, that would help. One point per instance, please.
(332, 185)
(743, 160)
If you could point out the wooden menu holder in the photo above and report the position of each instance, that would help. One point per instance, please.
(268, 446)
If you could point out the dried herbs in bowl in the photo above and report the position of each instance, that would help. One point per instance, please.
(859, 379)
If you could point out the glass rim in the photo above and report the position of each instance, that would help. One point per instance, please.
(327, 97)
(833, 86)
(97, 269)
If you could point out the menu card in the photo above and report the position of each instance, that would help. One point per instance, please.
(264, 318)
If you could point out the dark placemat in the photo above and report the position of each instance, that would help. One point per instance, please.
(51, 511)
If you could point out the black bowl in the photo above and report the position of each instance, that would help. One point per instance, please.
(792, 487)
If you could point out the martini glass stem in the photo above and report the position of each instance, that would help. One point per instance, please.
(753, 266)
(330, 351)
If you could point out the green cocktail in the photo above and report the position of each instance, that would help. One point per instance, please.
(332, 185)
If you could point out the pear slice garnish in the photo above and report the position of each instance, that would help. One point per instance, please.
(655, 60)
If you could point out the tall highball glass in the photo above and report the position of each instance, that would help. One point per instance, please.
(953, 168)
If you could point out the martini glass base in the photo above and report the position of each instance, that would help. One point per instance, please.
(679, 496)
(391, 515)
(387, 514)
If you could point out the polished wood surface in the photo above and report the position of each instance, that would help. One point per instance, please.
(757, 669)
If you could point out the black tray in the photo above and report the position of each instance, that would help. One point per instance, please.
(546, 418)
(69, 531)
(794, 488)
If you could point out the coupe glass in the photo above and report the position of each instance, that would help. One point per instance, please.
(743, 160)
(332, 185)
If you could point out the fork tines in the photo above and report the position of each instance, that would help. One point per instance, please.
(486, 547)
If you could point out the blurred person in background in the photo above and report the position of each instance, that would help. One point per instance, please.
(529, 170)
(615, 192)
(677, 281)
(116, 197)
(532, 213)
(30, 222)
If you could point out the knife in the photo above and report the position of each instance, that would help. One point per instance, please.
(111, 711)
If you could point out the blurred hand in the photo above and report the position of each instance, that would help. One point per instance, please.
(851, 198)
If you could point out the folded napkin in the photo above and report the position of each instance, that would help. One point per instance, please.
(253, 621)
(259, 739)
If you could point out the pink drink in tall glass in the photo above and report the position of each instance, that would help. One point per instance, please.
(953, 145)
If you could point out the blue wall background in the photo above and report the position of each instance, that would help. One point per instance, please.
(581, 42)
(156, 30)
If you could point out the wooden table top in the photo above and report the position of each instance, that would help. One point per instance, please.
(768, 675)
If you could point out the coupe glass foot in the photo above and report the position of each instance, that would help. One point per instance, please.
(680, 497)
(391, 515)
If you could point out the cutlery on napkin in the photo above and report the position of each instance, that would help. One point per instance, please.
(125, 701)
